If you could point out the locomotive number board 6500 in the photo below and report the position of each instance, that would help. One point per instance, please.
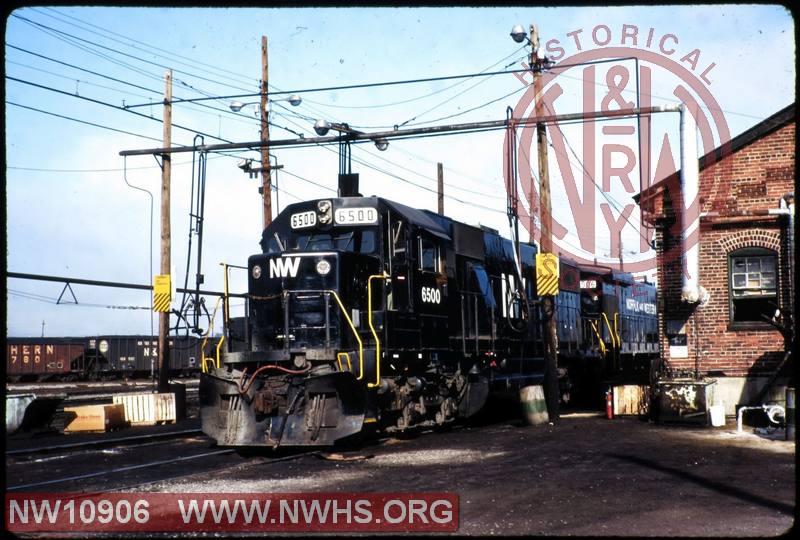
(356, 216)
(303, 220)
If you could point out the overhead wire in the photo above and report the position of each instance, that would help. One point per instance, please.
(111, 49)
(226, 72)
(410, 100)
(402, 179)
(111, 105)
(86, 122)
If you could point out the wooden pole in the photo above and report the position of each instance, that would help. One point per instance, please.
(166, 239)
(552, 393)
(440, 171)
(266, 179)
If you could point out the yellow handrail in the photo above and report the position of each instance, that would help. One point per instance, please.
(616, 330)
(205, 340)
(599, 337)
(221, 340)
(610, 331)
(355, 333)
(372, 328)
(339, 360)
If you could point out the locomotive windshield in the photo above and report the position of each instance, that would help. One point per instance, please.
(355, 240)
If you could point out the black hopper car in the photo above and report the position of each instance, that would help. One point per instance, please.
(365, 312)
(100, 357)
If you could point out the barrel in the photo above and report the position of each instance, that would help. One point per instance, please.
(533, 404)
(789, 414)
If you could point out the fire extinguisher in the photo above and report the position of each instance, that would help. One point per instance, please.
(609, 404)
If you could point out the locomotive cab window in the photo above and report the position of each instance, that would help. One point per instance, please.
(357, 240)
(753, 285)
(429, 255)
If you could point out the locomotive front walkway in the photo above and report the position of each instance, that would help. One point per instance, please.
(585, 476)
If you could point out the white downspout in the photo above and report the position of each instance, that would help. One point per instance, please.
(690, 186)
(789, 200)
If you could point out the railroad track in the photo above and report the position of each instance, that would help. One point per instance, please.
(151, 465)
(100, 443)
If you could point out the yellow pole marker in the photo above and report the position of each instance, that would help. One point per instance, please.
(162, 293)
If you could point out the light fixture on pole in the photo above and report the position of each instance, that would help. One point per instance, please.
(519, 35)
(322, 127)
(294, 100)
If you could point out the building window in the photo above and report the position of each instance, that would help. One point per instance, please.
(753, 285)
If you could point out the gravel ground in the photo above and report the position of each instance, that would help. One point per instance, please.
(584, 476)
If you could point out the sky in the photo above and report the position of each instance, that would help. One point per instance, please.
(75, 76)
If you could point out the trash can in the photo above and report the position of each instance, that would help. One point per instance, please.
(533, 404)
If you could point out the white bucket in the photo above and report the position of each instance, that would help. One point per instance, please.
(533, 405)
(717, 415)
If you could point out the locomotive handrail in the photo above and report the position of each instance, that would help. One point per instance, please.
(339, 360)
(610, 331)
(221, 340)
(355, 333)
(205, 340)
(372, 328)
(599, 337)
(616, 329)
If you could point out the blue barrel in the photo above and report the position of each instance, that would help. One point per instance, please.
(789, 414)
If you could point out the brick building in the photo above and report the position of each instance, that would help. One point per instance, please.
(745, 262)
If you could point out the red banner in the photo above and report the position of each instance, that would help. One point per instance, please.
(239, 512)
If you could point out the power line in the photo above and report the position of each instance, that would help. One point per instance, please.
(83, 24)
(81, 122)
(426, 177)
(61, 75)
(67, 34)
(50, 59)
(111, 105)
(383, 105)
(402, 179)
(469, 110)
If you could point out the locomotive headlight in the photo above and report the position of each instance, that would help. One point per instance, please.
(103, 347)
(323, 267)
(325, 214)
(256, 272)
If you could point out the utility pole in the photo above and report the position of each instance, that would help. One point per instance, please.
(440, 171)
(266, 180)
(552, 394)
(166, 238)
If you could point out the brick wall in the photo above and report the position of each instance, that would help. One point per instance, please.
(750, 181)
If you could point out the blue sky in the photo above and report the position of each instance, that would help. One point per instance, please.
(70, 213)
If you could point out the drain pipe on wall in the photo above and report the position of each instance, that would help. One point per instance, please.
(788, 199)
(690, 187)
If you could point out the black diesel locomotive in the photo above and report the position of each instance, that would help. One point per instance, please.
(363, 311)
